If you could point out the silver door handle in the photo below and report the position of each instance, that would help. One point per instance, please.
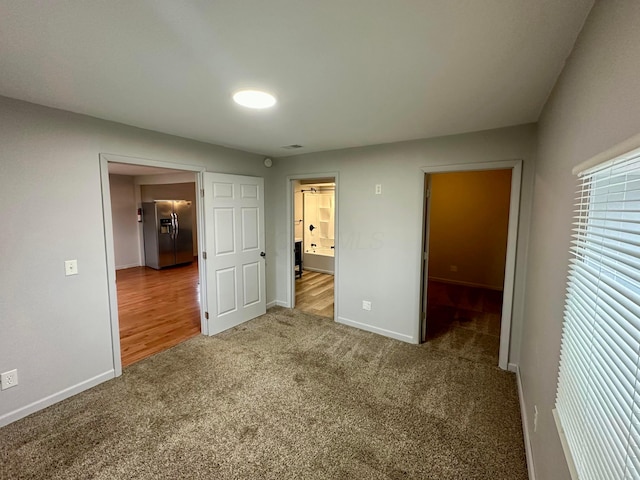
(175, 216)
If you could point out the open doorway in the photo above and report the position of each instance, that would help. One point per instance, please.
(155, 239)
(314, 242)
(470, 234)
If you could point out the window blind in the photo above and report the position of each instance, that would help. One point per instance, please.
(598, 401)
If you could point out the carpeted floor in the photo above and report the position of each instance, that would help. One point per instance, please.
(464, 321)
(286, 396)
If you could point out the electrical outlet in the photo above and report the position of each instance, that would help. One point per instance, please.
(366, 305)
(379, 189)
(453, 268)
(70, 267)
(9, 379)
(535, 418)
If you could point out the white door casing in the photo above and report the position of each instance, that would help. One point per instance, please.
(425, 256)
(235, 246)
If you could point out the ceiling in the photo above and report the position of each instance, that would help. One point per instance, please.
(346, 73)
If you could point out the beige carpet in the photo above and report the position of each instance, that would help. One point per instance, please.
(286, 396)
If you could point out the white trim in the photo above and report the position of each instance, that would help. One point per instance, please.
(202, 245)
(276, 303)
(622, 148)
(565, 446)
(111, 266)
(470, 167)
(525, 424)
(291, 233)
(45, 402)
(512, 242)
(130, 265)
(380, 331)
(513, 367)
(104, 159)
(319, 270)
(466, 284)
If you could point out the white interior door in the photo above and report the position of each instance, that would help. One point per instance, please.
(235, 264)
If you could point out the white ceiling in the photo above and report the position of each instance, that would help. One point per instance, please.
(346, 72)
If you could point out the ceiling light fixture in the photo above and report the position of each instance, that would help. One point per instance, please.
(254, 99)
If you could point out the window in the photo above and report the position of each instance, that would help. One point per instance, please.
(598, 398)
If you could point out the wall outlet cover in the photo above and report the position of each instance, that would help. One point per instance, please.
(9, 379)
(70, 267)
(366, 305)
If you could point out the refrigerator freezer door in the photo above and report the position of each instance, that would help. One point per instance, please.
(150, 229)
(184, 231)
(165, 230)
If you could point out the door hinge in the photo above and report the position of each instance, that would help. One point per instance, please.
(204, 255)
(425, 256)
(428, 193)
(424, 316)
(202, 192)
(206, 315)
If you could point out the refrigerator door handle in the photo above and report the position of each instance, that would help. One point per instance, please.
(175, 225)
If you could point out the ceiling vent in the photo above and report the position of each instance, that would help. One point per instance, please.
(292, 146)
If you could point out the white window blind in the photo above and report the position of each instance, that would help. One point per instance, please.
(598, 401)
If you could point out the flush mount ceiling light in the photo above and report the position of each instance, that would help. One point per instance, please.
(254, 99)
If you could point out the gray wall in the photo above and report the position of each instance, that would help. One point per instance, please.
(125, 222)
(594, 106)
(380, 236)
(54, 329)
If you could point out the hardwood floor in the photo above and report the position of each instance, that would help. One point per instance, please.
(157, 309)
(314, 293)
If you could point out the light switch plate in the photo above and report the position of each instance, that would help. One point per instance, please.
(70, 267)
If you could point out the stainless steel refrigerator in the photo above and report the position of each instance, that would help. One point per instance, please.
(168, 237)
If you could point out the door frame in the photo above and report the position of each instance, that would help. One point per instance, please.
(290, 243)
(105, 158)
(512, 241)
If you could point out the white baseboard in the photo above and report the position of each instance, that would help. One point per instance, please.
(512, 367)
(276, 303)
(130, 265)
(22, 412)
(525, 424)
(319, 270)
(466, 284)
(380, 331)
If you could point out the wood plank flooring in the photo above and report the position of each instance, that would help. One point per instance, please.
(314, 293)
(157, 309)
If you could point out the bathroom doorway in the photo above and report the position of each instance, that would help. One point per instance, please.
(314, 245)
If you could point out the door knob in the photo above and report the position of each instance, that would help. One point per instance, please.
(262, 254)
